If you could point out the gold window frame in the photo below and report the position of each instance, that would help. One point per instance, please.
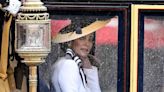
(134, 42)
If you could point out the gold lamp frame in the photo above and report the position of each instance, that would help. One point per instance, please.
(33, 37)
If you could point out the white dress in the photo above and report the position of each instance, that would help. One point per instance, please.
(66, 77)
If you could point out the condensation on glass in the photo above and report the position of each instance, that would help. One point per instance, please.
(106, 51)
(153, 71)
(106, 48)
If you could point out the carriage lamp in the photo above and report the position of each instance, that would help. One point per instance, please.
(33, 38)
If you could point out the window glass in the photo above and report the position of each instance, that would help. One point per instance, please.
(106, 51)
(153, 67)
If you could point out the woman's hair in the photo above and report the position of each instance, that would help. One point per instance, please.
(76, 24)
(66, 45)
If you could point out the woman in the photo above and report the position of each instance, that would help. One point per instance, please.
(77, 70)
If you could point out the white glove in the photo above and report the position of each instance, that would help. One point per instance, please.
(13, 7)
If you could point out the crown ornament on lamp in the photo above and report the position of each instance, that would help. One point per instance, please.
(33, 37)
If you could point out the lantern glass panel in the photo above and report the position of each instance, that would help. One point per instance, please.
(33, 37)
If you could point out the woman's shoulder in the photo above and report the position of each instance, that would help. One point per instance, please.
(64, 64)
(63, 61)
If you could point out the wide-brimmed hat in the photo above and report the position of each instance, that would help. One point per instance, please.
(66, 37)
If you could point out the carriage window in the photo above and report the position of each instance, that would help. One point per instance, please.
(147, 52)
(105, 47)
(153, 70)
(108, 46)
(106, 51)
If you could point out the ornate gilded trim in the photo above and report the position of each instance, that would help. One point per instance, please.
(33, 16)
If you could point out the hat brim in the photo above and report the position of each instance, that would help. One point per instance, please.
(61, 38)
(58, 25)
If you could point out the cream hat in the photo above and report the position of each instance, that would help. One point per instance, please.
(66, 37)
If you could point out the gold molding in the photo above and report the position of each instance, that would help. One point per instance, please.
(33, 5)
(134, 42)
(33, 16)
(134, 49)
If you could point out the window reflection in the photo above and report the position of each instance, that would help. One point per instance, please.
(106, 48)
(153, 80)
(106, 51)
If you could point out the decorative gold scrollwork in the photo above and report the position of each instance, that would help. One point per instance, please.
(41, 16)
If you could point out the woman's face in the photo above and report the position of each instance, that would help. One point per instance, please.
(83, 45)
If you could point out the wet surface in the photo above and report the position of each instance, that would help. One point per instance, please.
(106, 53)
(153, 70)
(108, 70)
(153, 64)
